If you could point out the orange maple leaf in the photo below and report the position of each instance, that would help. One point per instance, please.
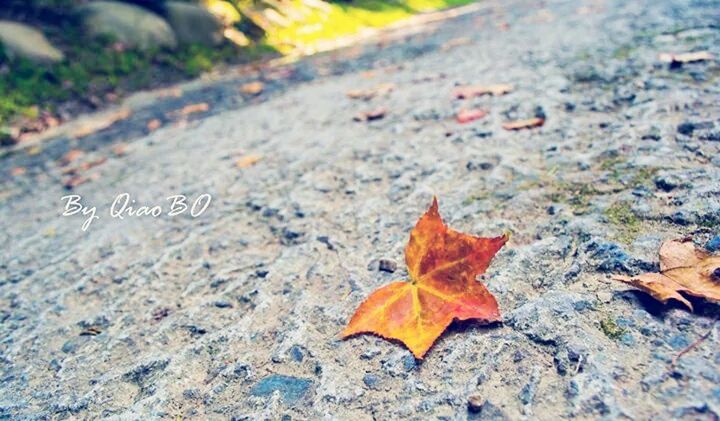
(442, 264)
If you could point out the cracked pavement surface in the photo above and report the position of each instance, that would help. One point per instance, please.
(236, 313)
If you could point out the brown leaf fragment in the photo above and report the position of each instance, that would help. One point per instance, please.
(75, 181)
(120, 149)
(659, 286)
(100, 122)
(524, 124)
(368, 94)
(684, 268)
(247, 161)
(91, 331)
(701, 280)
(466, 116)
(71, 156)
(18, 171)
(153, 125)
(375, 114)
(470, 91)
(84, 166)
(685, 57)
(252, 88)
(455, 42)
(678, 253)
(194, 108)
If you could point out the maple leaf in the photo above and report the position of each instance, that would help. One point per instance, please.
(683, 268)
(442, 264)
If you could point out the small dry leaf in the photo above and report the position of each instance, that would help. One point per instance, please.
(466, 116)
(455, 42)
(375, 114)
(96, 123)
(442, 265)
(683, 268)
(194, 108)
(252, 88)
(685, 57)
(75, 181)
(71, 156)
(153, 125)
(247, 161)
(120, 149)
(524, 124)
(368, 94)
(18, 171)
(470, 91)
(91, 331)
(84, 166)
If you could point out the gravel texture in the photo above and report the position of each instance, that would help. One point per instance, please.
(236, 313)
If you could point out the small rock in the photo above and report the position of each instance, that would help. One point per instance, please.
(371, 381)
(26, 42)
(386, 265)
(686, 128)
(126, 23)
(474, 166)
(193, 24)
(296, 353)
(291, 388)
(713, 245)
(223, 304)
(668, 182)
(475, 403)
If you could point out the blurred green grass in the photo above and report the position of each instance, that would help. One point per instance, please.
(96, 69)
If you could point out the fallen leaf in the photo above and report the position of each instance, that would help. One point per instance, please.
(252, 88)
(18, 171)
(153, 125)
(455, 42)
(659, 286)
(442, 265)
(193, 108)
(71, 156)
(96, 123)
(524, 124)
(685, 57)
(84, 166)
(91, 331)
(375, 114)
(470, 91)
(683, 268)
(75, 181)
(120, 149)
(466, 116)
(368, 94)
(247, 161)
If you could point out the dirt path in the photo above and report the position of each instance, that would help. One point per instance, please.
(236, 313)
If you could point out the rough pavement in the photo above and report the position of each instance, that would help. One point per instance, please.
(236, 314)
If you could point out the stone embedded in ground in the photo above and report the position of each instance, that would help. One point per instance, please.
(132, 25)
(291, 388)
(193, 24)
(23, 41)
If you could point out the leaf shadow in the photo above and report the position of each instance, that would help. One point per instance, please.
(702, 307)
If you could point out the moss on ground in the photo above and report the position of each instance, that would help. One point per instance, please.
(627, 223)
(611, 329)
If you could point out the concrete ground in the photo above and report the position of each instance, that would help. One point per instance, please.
(236, 313)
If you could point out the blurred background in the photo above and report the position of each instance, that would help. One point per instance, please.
(59, 58)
